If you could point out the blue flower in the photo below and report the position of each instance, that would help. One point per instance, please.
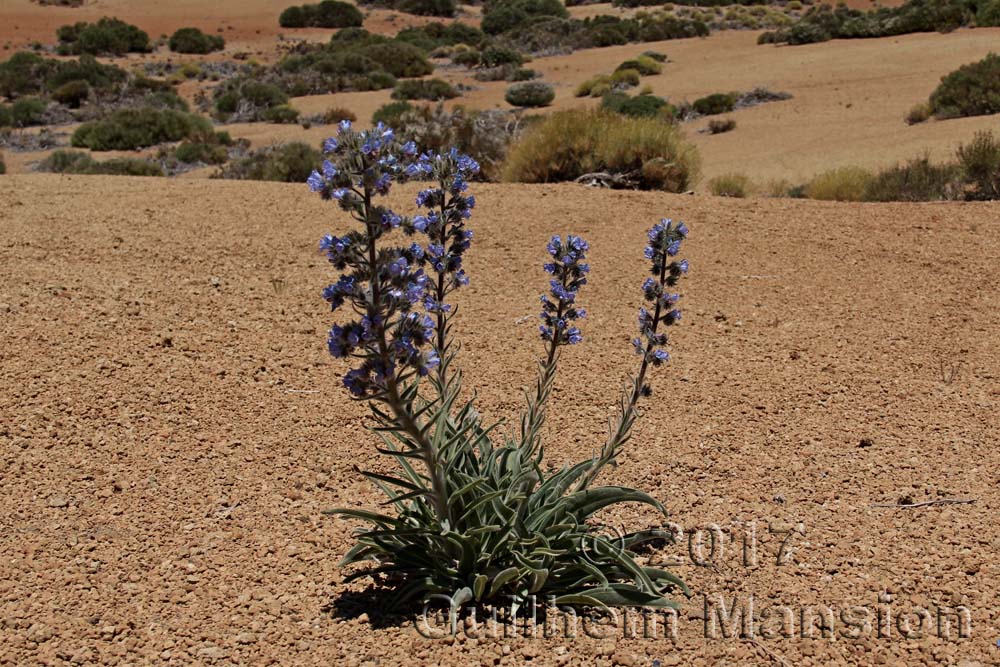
(331, 145)
(315, 181)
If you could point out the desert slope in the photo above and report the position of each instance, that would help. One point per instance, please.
(171, 425)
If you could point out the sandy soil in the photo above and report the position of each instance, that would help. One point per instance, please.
(171, 426)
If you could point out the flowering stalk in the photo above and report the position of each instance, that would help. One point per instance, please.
(444, 224)
(383, 286)
(664, 243)
(559, 311)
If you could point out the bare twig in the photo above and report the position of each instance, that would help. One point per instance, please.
(928, 503)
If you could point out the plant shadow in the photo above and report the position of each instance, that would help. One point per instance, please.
(375, 602)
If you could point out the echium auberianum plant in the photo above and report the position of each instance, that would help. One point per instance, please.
(470, 512)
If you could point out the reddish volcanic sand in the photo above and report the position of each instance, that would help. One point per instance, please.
(171, 426)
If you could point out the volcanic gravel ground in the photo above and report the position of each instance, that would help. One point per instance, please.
(171, 426)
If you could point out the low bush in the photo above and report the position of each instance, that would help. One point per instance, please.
(719, 126)
(842, 184)
(495, 56)
(500, 16)
(823, 22)
(714, 104)
(390, 113)
(919, 113)
(131, 129)
(26, 73)
(27, 111)
(979, 166)
(289, 163)
(634, 152)
(443, 8)
(78, 162)
(435, 35)
(424, 89)
(595, 86)
(730, 185)
(326, 14)
(530, 94)
(72, 93)
(988, 13)
(484, 135)
(199, 152)
(644, 65)
(334, 115)
(281, 114)
(106, 37)
(6, 117)
(916, 180)
(639, 106)
(624, 78)
(3, 165)
(522, 74)
(193, 40)
(354, 60)
(243, 99)
(971, 90)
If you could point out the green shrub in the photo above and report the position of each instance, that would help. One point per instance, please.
(336, 114)
(569, 144)
(530, 94)
(988, 13)
(716, 103)
(424, 89)
(390, 113)
(842, 184)
(971, 90)
(435, 35)
(644, 65)
(916, 180)
(979, 165)
(484, 135)
(193, 152)
(625, 78)
(326, 14)
(106, 37)
(250, 98)
(640, 106)
(27, 111)
(72, 93)
(730, 185)
(193, 40)
(78, 162)
(823, 22)
(522, 74)
(131, 129)
(27, 73)
(289, 163)
(655, 55)
(445, 8)
(601, 82)
(720, 126)
(3, 165)
(468, 58)
(503, 15)
(919, 113)
(6, 117)
(494, 56)
(282, 114)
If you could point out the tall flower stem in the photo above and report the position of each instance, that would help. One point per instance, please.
(400, 409)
